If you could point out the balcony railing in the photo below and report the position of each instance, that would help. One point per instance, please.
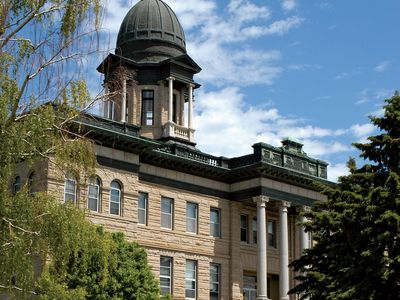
(171, 129)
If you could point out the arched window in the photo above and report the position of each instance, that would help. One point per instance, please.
(16, 187)
(31, 178)
(115, 198)
(94, 194)
(70, 189)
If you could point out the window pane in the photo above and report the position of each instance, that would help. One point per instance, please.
(190, 293)
(271, 233)
(190, 279)
(191, 210)
(166, 205)
(142, 216)
(165, 274)
(92, 204)
(215, 229)
(142, 208)
(166, 221)
(254, 231)
(243, 228)
(114, 208)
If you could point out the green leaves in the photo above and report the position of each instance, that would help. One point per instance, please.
(357, 230)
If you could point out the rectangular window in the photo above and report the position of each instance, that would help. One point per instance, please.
(191, 217)
(142, 208)
(254, 230)
(249, 287)
(147, 107)
(69, 191)
(215, 275)
(243, 228)
(272, 233)
(191, 279)
(167, 212)
(215, 222)
(166, 275)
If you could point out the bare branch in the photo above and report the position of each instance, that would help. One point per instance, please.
(19, 228)
(15, 288)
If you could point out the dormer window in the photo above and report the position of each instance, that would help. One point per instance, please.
(147, 107)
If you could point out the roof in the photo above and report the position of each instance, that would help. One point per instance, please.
(151, 31)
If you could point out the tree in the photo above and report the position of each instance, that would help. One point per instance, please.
(38, 40)
(357, 230)
(106, 266)
(41, 42)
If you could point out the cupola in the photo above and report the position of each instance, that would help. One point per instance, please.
(150, 78)
(150, 32)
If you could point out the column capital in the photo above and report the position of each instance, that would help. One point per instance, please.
(285, 204)
(170, 78)
(192, 85)
(261, 200)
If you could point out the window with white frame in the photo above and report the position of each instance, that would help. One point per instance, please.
(191, 217)
(70, 189)
(244, 228)
(272, 233)
(166, 275)
(249, 287)
(115, 198)
(191, 279)
(142, 208)
(215, 222)
(215, 275)
(167, 212)
(94, 194)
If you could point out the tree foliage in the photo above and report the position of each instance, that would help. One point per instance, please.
(42, 45)
(357, 230)
(105, 267)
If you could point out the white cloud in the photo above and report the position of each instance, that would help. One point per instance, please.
(362, 130)
(227, 126)
(337, 170)
(364, 97)
(382, 66)
(280, 27)
(289, 4)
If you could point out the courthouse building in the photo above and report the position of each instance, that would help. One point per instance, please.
(213, 227)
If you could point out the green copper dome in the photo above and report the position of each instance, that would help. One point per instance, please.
(150, 32)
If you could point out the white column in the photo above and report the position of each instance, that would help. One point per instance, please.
(303, 235)
(261, 247)
(170, 98)
(123, 102)
(284, 251)
(190, 117)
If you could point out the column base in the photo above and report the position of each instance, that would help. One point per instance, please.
(262, 298)
(285, 298)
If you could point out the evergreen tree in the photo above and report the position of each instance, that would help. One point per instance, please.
(357, 230)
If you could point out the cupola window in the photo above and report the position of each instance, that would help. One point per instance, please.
(147, 107)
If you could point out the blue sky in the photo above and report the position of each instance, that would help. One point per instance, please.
(310, 69)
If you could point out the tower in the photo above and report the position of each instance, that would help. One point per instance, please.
(149, 79)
